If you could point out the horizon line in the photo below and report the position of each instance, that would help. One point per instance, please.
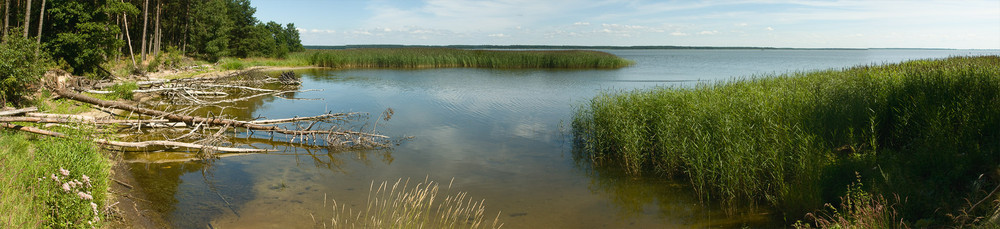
(634, 47)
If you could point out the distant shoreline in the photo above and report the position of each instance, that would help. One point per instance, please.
(603, 47)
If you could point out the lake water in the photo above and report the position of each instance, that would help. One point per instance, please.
(500, 135)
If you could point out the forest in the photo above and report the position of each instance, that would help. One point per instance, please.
(80, 36)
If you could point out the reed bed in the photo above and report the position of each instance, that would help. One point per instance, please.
(926, 130)
(461, 58)
(400, 206)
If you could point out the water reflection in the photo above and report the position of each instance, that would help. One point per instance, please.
(499, 133)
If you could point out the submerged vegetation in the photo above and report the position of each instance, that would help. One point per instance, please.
(924, 131)
(451, 58)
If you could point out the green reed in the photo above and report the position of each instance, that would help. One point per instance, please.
(926, 130)
(397, 205)
(461, 58)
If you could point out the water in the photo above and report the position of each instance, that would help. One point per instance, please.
(502, 135)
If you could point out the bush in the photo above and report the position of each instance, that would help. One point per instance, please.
(232, 64)
(20, 69)
(123, 90)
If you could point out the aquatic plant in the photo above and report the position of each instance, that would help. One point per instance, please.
(461, 58)
(399, 206)
(925, 130)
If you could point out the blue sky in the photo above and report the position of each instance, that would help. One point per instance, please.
(771, 23)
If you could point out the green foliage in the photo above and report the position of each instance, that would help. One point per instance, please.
(446, 57)
(232, 64)
(210, 29)
(82, 35)
(925, 130)
(32, 197)
(228, 28)
(858, 209)
(123, 90)
(169, 58)
(20, 68)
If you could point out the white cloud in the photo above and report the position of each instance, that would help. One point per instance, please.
(581, 23)
(678, 34)
(706, 32)
(769, 28)
(498, 35)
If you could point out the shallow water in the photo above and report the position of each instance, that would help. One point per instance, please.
(502, 135)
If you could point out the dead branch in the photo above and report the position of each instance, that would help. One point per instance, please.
(240, 87)
(76, 120)
(145, 144)
(191, 120)
(186, 90)
(31, 129)
(338, 116)
(18, 111)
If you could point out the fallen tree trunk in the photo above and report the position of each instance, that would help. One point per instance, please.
(190, 91)
(74, 120)
(145, 144)
(191, 120)
(31, 129)
(18, 111)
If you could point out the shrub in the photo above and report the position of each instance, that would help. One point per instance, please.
(20, 68)
(123, 90)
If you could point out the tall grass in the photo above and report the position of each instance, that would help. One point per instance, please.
(52, 182)
(452, 58)
(400, 206)
(927, 130)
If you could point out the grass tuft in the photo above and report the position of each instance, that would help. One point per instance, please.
(399, 206)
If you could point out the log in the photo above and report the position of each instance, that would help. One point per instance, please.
(144, 144)
(191, 120)
(296, 119)
(18, 111)
(182, 89)
(31, 129)
(147, 144)
(74, 120)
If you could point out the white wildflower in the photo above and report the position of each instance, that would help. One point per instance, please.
(86, 196)
(65, 187)
(63, 172)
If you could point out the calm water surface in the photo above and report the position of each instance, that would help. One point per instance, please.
(502, 135)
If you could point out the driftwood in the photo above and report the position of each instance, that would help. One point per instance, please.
(18, 111)
(185, 90)
(145, 144)
(191, 120)
(300, 130)
(76, 120)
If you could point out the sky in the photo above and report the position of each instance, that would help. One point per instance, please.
(962, 24)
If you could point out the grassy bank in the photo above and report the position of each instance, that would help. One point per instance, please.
(456, 58)
(52, 182)
(927, 131)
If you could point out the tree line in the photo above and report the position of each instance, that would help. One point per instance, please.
(80, 35)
